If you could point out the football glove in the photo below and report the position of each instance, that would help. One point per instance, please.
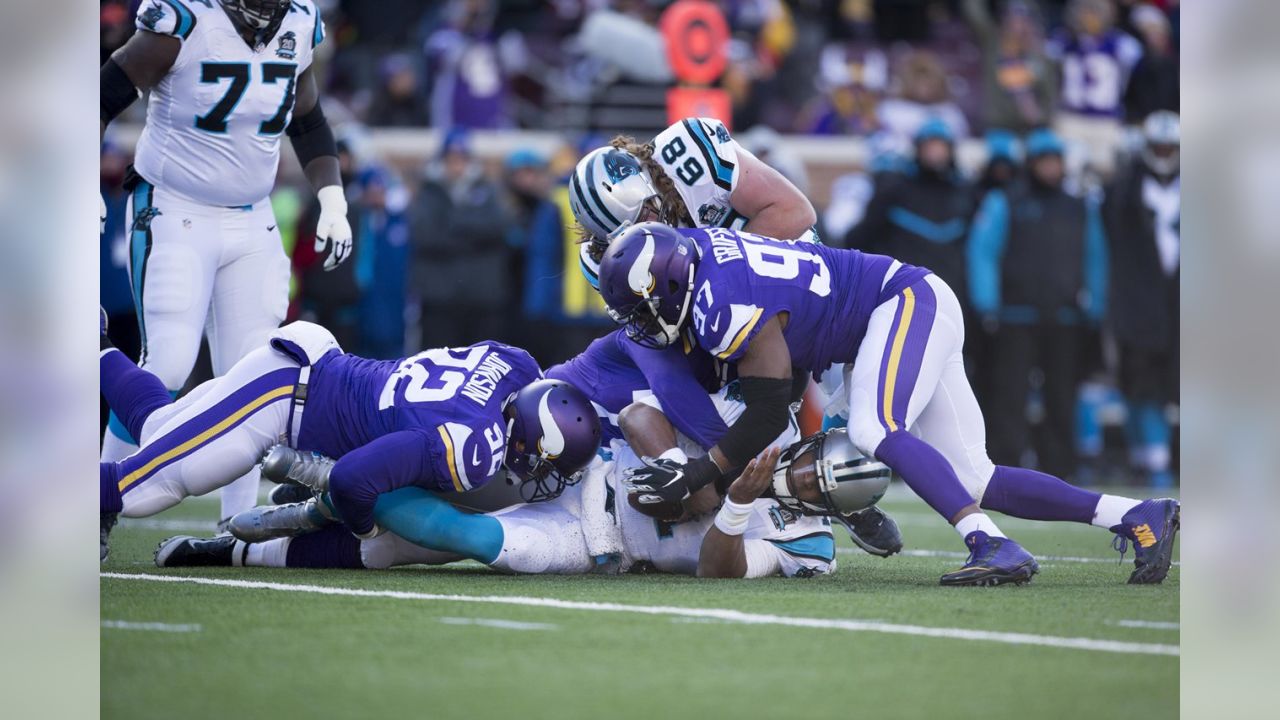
(333, 231)
(658, 481)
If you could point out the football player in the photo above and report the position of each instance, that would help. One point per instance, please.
(786, 535)
(227, 79)
(772, 305)
(693, 174)
(448, 418)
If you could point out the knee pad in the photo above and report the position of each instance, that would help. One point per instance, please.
(378, 553)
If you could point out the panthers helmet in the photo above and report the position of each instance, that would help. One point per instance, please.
(607, 192)
(1162, 141)
(847, 480)
(552, 435)
(262, 18)
(646, 279)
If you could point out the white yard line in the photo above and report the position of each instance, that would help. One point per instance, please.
(152, 626)
(1009, 638)
(495, 623)
(152, 523)
(962, 555)
(1146, 624)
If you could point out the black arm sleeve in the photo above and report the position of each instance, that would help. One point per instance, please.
(311, 136)
(116, 91)
(768, 406)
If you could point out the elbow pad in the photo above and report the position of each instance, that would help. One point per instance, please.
(311, 136)
(768, 408)
(116, 91)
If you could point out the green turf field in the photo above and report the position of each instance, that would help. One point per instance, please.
(879, 639)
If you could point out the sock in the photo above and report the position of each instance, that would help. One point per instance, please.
(1111, 510)
(332, 547)
(925, 471)
(241, 494)
(132, 393)
(978, 522)
(272, 553)
(109, 500)
(1036, 496)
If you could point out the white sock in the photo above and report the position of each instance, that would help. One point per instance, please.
(271, 553)
(241, 494)
(1111, 510)
(978, 521)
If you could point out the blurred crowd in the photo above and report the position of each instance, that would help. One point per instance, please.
(1063, 244)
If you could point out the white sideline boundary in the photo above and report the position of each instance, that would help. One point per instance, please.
(734, 616)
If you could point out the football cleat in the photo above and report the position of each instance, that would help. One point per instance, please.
(187, 551)
(106, 521)
(993, 561)
(285, 465)
(288, 494)
(1151, 526)
(267, 522)
(873, 531)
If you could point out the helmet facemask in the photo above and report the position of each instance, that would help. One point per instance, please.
(836, 478)
(648, 325)
(261, 18)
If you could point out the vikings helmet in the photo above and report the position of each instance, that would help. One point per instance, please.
(262, 18)
(551, 437)
(847, 480)
(1162, 140)
(607, 192)
(646, 279)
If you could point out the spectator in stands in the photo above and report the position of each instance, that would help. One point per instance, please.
(398, 102)
(1096, 60)
(1037, 272)
(1020, 90)
(381, 260)
(920, 96)
(1154, 83)
(535, 235)
(115, 292)
(458, 230)
(922, 216)
(468, 67)
(1142, 211)
(1001, 167)
(850, 86)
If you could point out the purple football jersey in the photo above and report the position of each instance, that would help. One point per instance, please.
(613, 371)
(828, 293)
(452, 397)
(1095, 70)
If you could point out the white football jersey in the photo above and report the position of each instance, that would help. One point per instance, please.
(702, 161)
(214, 123)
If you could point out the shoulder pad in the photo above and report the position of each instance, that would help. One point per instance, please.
(167, 17)
(308, 11)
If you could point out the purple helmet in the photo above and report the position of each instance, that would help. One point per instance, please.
(646, 279)
(551, 437)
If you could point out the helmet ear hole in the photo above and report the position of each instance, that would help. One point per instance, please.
(673, 287)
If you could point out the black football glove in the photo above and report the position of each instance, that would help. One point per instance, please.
(657, 481)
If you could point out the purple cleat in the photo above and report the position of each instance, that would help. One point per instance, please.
(1151, 526)
(993, 561)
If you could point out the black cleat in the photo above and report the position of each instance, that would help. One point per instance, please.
(288, 494)
(873, 531)
(106, 521)
(187, 551)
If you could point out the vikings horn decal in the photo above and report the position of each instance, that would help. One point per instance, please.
(639, 278)
(552, 442)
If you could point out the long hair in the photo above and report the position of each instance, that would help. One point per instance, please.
(674, 212)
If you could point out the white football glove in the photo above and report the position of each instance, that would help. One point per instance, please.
(102, 214)
(333, 230)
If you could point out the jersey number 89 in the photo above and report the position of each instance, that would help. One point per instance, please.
(688, 171)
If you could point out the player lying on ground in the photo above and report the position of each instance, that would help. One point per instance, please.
(226, 82)
(449, 418)
(772, 306)
(788, 534)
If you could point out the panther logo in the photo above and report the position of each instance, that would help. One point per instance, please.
(142, 223)
(722, 134)
(619, 165)
(781, 517)
(152, 16)
(288, 46)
